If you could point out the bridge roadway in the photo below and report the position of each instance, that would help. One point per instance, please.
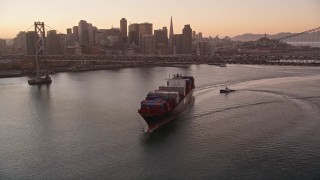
(310, 60)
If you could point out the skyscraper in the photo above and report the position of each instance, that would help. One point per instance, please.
(187, 39)
(161, 38)
(123, 30)
(145, 28)
(171, 33)
(83, 32)
(134, 34)
(137, 30)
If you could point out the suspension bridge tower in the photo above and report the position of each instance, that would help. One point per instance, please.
(42, 76)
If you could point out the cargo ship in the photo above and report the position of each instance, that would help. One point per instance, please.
(165, 104)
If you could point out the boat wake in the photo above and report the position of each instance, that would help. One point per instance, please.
(234, 107)
(256, 93)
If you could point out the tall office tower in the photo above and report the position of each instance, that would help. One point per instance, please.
(137, 30)
(123, 30)
(83, 28)
(75, 33)
(187, 39)
(145, 28)
(161, 38)
(171, 33)
(147, 42)
(134, 34)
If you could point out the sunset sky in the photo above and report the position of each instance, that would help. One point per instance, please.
(211, 17)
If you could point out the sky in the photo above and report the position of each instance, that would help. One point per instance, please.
(211, 17)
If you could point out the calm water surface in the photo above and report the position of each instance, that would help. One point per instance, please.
(85, 125)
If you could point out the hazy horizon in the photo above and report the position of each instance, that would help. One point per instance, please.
(211, 17)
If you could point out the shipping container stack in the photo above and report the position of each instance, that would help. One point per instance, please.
(165, 99)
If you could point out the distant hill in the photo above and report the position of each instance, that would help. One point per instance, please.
(254, 37)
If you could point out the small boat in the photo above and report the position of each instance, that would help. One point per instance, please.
(226, 90)
(40, 81)
(223, 65)
(218, 64)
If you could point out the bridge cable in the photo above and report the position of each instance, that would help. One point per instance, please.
(298, 34)
(11, 40)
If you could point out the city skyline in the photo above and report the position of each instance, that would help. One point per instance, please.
(227, 18)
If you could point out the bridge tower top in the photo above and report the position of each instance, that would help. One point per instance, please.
(39, 37)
